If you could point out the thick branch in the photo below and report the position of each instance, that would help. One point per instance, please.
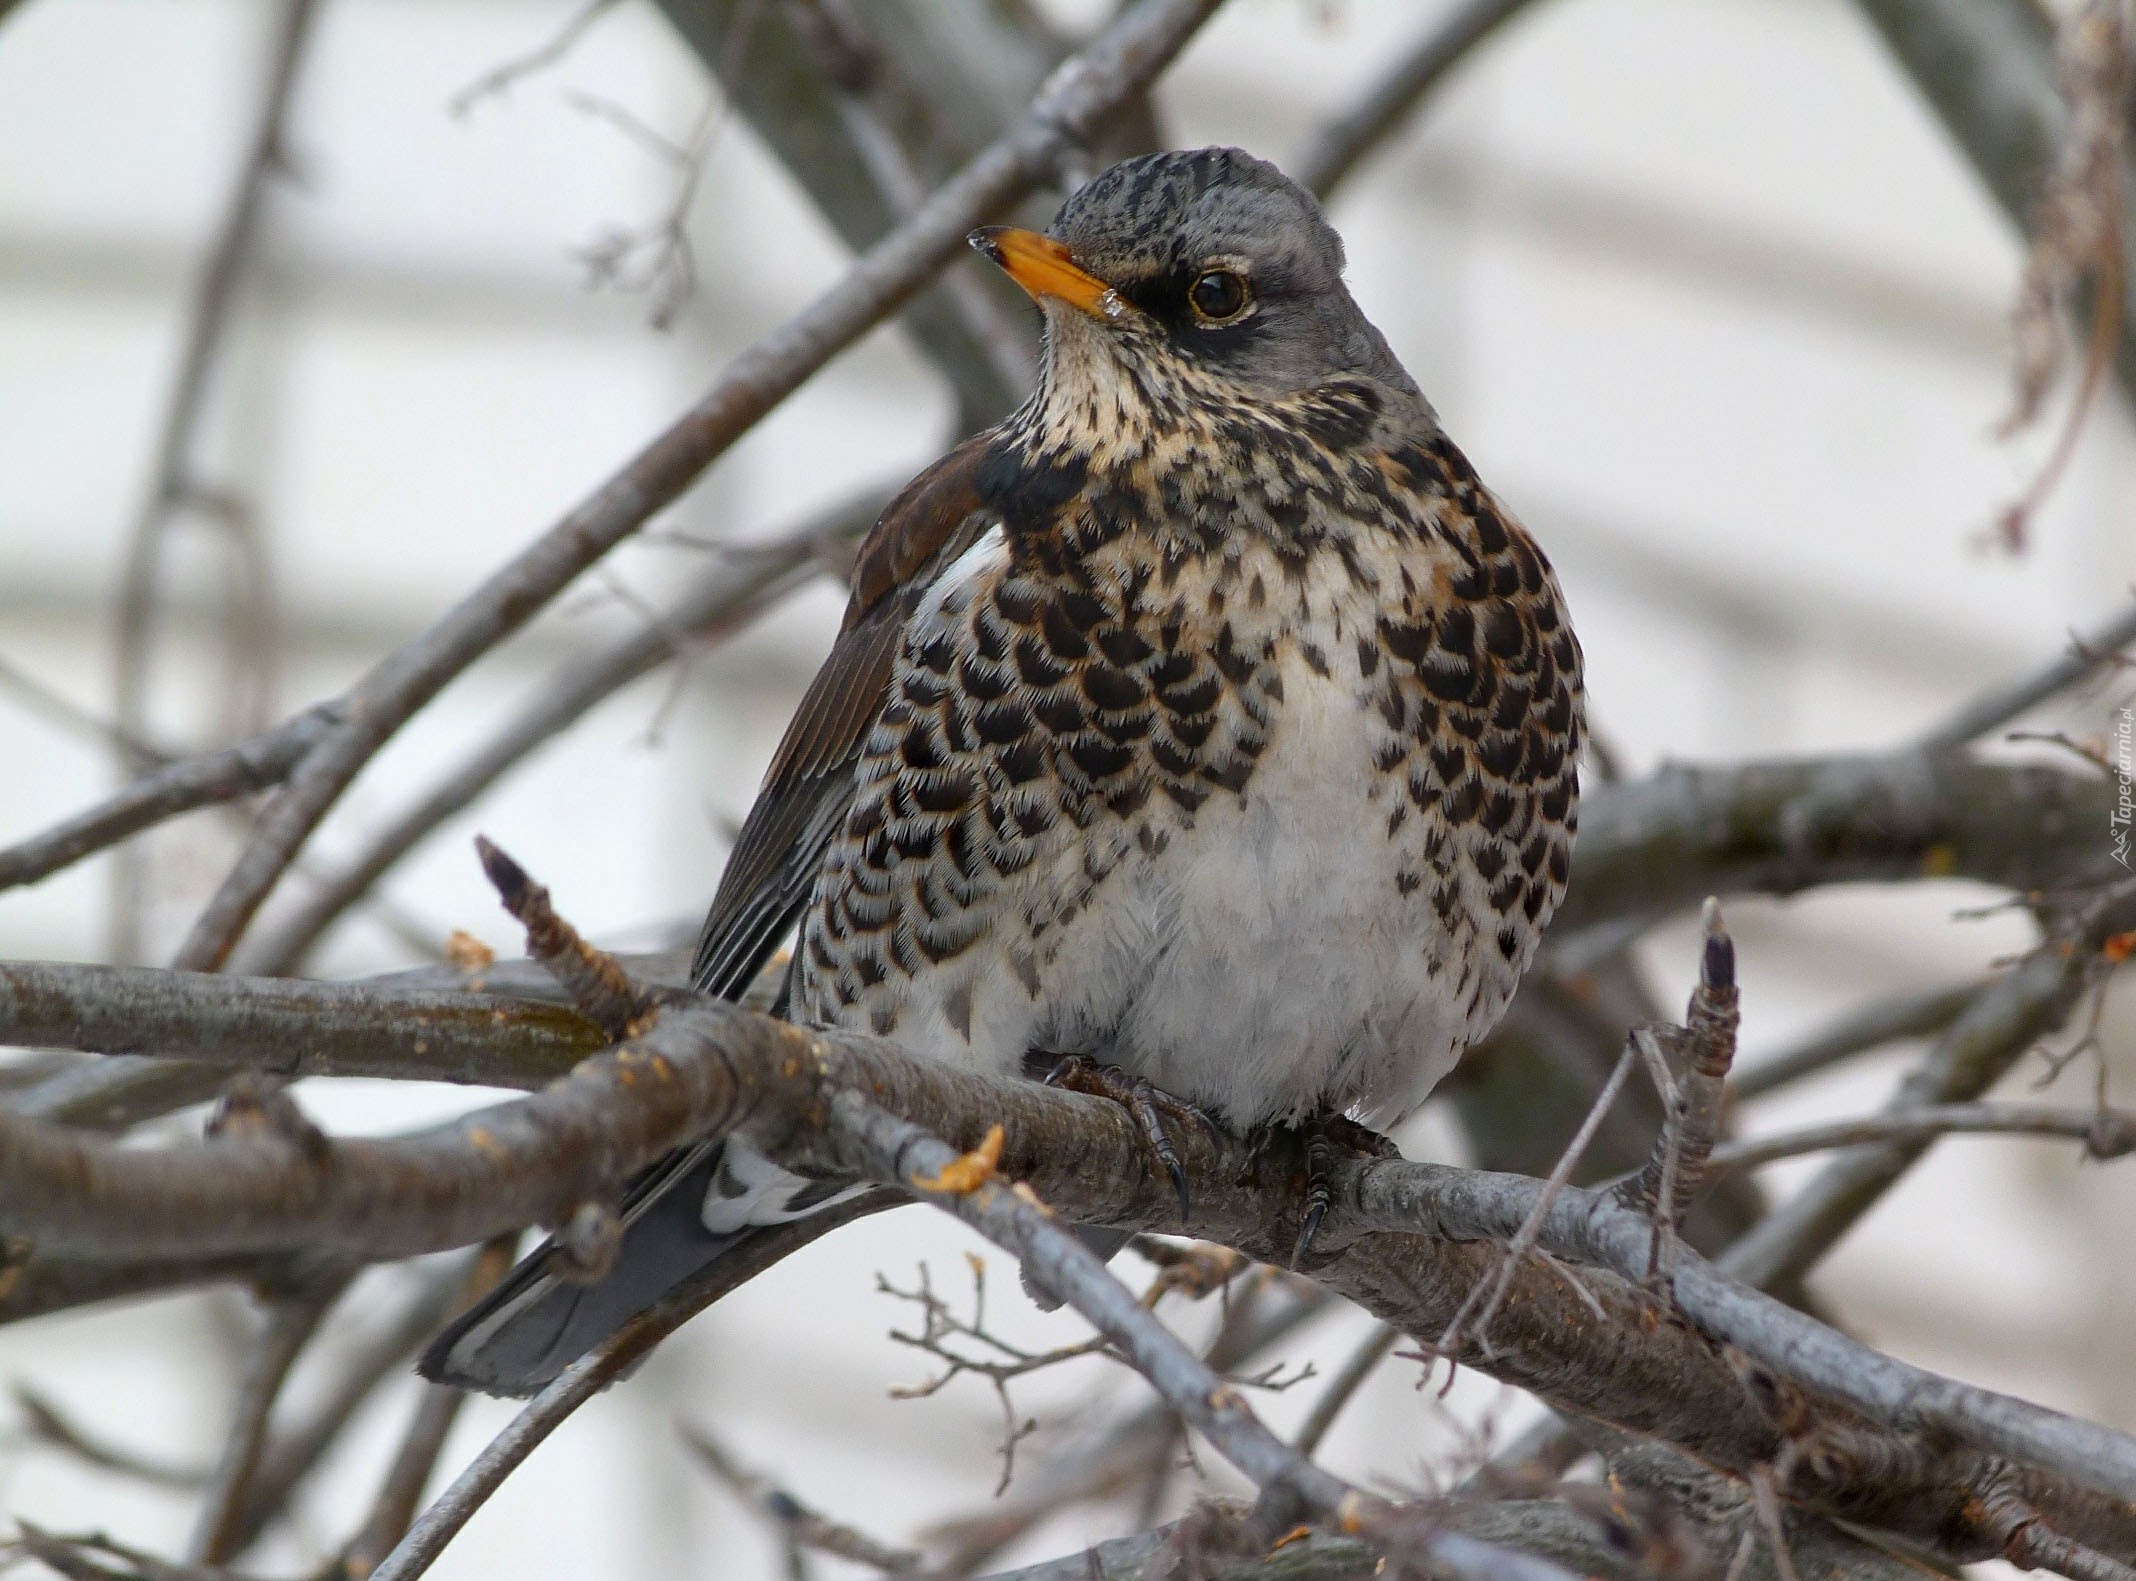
(273, 1025)
(1652, 846)
(710, 1067)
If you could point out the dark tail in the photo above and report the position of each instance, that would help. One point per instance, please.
(536, 1323)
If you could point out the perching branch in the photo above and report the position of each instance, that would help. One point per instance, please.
(703, 1068)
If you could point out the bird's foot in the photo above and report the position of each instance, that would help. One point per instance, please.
(1327, 1138)
(1150, 1105)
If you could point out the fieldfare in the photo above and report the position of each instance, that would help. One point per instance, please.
(1207, 723)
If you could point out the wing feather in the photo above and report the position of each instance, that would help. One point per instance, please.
(806, 790)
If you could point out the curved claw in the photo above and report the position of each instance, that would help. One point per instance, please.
(1146, 1102)
(1324, 1137)
(1319, 1159)
(1315, 1213)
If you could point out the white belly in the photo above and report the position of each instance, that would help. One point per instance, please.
(1263, 964)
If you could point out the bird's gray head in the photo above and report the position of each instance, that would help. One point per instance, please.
(1208, 256)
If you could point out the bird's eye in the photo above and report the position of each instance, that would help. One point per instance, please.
(1219, 295)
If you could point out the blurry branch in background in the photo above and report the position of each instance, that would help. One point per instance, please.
(2093, 653)
(745, 581)
(2045, 126)
(176, 485)
(168, 791)
(400, 1492)
(1388, 106)
(798, 1525)
(2004, 1022)
(293, 1317)
(2105, 1133)
(832, 89)
(559, 44)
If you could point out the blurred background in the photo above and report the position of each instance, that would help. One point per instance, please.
(1700, 286)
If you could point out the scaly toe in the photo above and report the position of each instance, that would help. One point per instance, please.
(1149, 1105)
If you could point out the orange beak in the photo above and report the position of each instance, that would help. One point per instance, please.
(1044, 267)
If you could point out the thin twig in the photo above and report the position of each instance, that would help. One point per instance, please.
(2004, 1021)
(2105, 1133)
(1887, 1021)
(172, 484)
(603, 992)
(1348, 1379)
(1339, 146)
(294, 1318)
(45, 1424)
(793, 1519)
(2083, 657)
(1483, 1301)
(498, 78)
(1692, 1100)
(165, 792)
(70, 1557)
(1116, 1455)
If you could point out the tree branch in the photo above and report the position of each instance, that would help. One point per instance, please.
(2002, 1024)
(272, 1025)
(165, 792)
(173, 484)
(2105, 1133)
(2083, 656)
(706, 1068)
(1987, 69)
(1339, 146)
(720, 604)
(1654, 846)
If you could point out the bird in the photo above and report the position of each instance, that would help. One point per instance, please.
(1205, 734)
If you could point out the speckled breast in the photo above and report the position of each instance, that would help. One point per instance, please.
(1271, 813)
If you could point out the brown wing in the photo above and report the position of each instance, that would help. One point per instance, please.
(810, 782)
